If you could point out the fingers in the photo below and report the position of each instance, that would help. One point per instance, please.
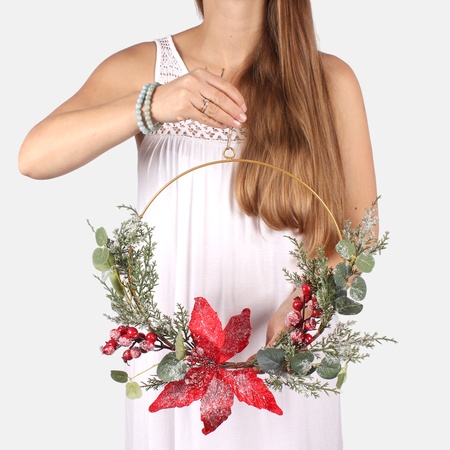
(222, 87)
(225, 103)
(212, 115)
(255, 368)
(200, 96)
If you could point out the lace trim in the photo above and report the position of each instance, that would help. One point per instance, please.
(193, 129)
(169, 67)
(169, 63)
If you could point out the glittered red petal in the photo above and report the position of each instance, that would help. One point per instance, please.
(177, 394)
(251, 389)
(216, 404)
(206, 328)
(237, 335)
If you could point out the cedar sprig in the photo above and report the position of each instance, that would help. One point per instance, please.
(347, 344)
(305, 385)
(127, 261)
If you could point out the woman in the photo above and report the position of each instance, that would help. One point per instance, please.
(250, 69)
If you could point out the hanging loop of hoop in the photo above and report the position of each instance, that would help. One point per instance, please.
(229, 154)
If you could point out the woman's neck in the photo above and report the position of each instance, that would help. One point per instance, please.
(227, 36)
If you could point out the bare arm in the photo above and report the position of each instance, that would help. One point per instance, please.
(357, 160)
(354, 139)
(98, 117)
(102, 115)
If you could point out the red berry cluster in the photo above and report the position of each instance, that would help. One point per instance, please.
(303, 317)
(136, 342)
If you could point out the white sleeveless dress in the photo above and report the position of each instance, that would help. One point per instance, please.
(206, 247)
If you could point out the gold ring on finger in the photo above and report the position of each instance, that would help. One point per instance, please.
(205, 105)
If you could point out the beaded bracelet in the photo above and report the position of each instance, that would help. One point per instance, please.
(139, 103)
(143, 102)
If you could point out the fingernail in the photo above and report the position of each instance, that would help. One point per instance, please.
(242, 117)
(236, 123)
(244, 107)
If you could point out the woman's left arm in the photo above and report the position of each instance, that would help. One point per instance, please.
(357, 160)
(354, 139)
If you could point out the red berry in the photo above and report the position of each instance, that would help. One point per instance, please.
(113, 342)
(140, 337)
(115, 334)
(297, 336)
(135, 352)
(127, 355)
(122, 329)
(310, 324)
(125, 341)
(146, 346)
(298, 303)
(313, 303)
(307, 339)
(132, 332)
(108, 349)
(151, 337)
(316, 313)
(306, 289)
(292, 318)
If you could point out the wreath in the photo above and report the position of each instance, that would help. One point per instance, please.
(196, 347)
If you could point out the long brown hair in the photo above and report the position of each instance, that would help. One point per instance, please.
(290, 125)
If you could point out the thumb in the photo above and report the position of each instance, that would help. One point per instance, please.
(255, 368)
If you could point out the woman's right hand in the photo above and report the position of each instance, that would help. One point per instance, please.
(202, 96)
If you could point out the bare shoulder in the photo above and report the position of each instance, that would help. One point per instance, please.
(350, 115)
(118, 75)
(353, 135)
(342, 81)
(130, 67)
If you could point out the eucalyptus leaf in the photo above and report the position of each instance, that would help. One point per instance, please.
(133, 390)
(180, 351)
(347, 307)
(346, 249)
(116, 283)
(342, 273)
(301, 362)
(365, 263)
(358, 289)
(329, 367)
(101, 259)
(119, 375)
(342, 377)
(341, 291)
(171, 369)
(271, 360)
(101, 237)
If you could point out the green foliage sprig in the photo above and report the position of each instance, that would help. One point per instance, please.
(338, 290)
(127, 261)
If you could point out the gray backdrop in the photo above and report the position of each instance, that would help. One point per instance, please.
(55, 386)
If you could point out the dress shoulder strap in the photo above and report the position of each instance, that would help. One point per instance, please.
(169, 64)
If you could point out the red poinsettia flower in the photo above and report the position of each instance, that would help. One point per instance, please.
(206, 380)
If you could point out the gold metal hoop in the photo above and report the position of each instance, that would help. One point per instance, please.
(229, 154)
